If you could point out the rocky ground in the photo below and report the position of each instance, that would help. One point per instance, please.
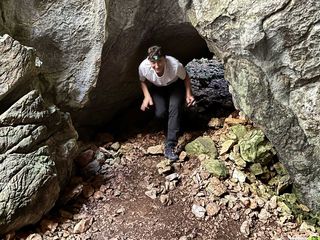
(127, 190)
(227, 184)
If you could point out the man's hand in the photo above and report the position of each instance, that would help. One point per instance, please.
(189, 100)
(147, 101)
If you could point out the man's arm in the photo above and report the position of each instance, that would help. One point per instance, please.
(189, 96)
(147, 97)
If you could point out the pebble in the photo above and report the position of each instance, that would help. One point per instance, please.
(155, 150)
(245, 228)
(212, 209)
(151, 193)
(115, 146)
(83, 225)
(98, 195)
(198, 211)
(172, 177)
(34, 236)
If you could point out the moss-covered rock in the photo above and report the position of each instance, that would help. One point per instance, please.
(255, 148)
(202, 145)
(239, 130)
(256, 169)
(215, 167)
(226, 146)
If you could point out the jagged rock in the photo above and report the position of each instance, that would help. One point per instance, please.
(216, 187)
(245, 228)
(38, 144)
(198, 211)
(68, 42)
(34, 236)
(18, 65)
(234, 121)
(239, 130)
(182, 156)
(280, 169)
(154, 150)
(202, 145)
(226, 146)
(216, 122)
(209, 86)
(152, 193)
(83, 225)
(254, 148)
(115, 146)
(239, 175)
(212, 209)
(256, 169)
(271, 61)
(164, 166)
(215, 167)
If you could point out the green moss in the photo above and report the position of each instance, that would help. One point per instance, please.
(215, 167)
(202, 145)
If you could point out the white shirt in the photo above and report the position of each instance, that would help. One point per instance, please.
(173, 70)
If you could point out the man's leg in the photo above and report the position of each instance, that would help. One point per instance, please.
(176, 102)
(159, 97)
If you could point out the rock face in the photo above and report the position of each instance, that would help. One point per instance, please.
(13, 74)
(271, 56)
(68, 37)
(37, 141)
(37, 146)
(18, 66)
(73, 38)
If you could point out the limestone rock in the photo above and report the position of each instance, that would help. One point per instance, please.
(202, 145)
(239, 130)
(216, 187)
(154, 150)
(215, 167)
(198, 211)
(18, 65)
(239, 175)
(254, 148)
(212, 209)
(68, 37)
(38, 144)
(271, 60)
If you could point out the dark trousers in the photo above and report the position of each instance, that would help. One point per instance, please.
(168, 102)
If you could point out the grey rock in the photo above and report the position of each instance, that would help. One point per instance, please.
(198, 211)
(68, 37)
(152, 193)
(38, 144)
(271, 60)
(17, 66)
(172, 176)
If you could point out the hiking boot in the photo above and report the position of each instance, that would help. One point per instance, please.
(170, 153)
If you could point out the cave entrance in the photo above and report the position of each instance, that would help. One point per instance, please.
(207, 77)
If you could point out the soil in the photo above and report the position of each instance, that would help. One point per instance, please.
(119, 209)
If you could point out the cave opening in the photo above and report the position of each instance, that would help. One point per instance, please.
(206, 72)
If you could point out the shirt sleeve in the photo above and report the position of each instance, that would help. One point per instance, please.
(141, 74)
(181, 71)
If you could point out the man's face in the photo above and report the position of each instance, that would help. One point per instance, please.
(158, 66)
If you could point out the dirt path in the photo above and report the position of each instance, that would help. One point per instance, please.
(112, 204)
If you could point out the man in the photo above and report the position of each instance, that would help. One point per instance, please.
(169, 89)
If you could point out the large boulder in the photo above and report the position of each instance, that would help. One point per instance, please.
(37, 141)
(37, 147)
(68, 37)
(271, 56)
(18, 66)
